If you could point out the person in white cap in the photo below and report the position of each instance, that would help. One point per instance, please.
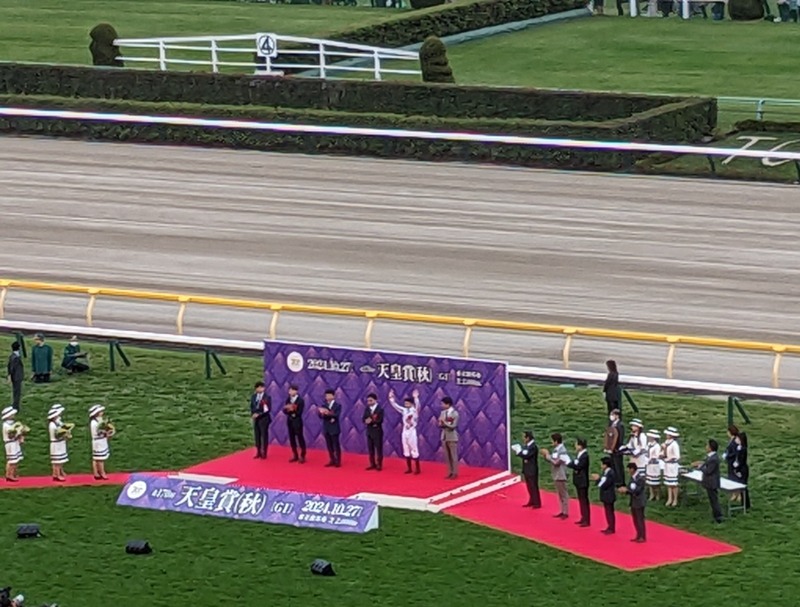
(671, 454)
(653, 468)
(13, 436)
(101, 432)
(636, 447)
(59, 434)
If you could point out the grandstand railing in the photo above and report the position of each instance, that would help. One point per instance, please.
(370, 317)
(759, 106)
(267, 55)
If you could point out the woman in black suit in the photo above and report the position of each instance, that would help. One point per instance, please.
(736, 457)
(611, 387)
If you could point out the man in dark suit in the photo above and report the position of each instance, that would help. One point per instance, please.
(580, 478)
(294, 407)
(261, 415)
(373, 420)
(612, 445)
(711, 479)
(606, 482)
(530, 469)
(16, 374)
(636, 490)
(329, 414)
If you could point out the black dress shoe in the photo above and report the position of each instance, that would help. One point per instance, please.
(370, 467)
(293, 460)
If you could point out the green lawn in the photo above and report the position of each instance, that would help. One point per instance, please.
(415, 559)
(57, 31)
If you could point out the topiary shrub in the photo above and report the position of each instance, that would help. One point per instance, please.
(425, 3)
(746, 10)
(102, 47)
(433, 59)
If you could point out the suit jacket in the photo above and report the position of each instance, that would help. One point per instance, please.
(636, 491)
(16, 369)
(330, 423)
(530, 460)
(374, 421)
(295, 419)
(611, 388)
(580, 467)
(449, 419)
(608, 489)
(42, 359)
(262, 407)
(559, 467)
(710, 470)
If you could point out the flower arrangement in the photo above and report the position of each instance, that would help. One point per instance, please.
(106, 428)
(64, 431)
(18, 432)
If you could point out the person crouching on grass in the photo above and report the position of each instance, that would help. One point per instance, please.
(101, 430)
(13, 437)
(59, 433)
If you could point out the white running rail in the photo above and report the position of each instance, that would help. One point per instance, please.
(267, 55)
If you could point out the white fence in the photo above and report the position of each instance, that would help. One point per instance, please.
(310, 129)
(535, 373)
(268, 55)
(760, 106)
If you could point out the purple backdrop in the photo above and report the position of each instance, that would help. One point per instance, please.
(478, 389)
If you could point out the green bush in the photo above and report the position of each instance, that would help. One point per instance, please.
(691, 115)
(766, 126)
(104, 51)
(454, 18)
(417, 4)
(746, 10)
(442, 100)
(434, 63)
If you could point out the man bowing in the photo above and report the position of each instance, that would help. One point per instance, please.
(260, 414)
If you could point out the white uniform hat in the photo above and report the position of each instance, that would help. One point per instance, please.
(637, 422)
(8, 413)
(55, 411)
(672, 431)
(96, 410)
(653, 434)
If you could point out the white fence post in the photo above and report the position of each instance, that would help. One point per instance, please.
(321, 59)
(377, 63)
(214, 57)
(685, 8)
(162, 56)
(634, 5)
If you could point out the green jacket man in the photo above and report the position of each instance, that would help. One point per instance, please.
(41, 360)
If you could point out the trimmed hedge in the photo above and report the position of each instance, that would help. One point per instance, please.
(766, 126)
(692, 116)
(441, 100)
(455, 18)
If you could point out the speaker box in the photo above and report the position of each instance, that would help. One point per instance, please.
(28, 531)
(138, 547)
(321, 567)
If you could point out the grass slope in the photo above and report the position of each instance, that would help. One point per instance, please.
(170, 417)
(53, 31)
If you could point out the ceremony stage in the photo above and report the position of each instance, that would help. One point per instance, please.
(351, 479)
(502, 510)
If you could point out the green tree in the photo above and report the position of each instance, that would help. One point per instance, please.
(102, 47)
(433, 60)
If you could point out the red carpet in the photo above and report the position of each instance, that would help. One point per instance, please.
(312, 477)
(665, 545)
(73, 480)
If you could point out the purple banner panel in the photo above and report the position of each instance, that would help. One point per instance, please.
(479, 390)
(249, 504)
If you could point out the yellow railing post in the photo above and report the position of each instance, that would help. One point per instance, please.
(673, 342)
(776, 366)
(90, 306)
(273, 324)
(182, 301)
(468, 324)
(371, 316)
(567, 346)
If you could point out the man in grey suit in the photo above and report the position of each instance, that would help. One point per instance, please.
(559, 458)
(711, 481)
(448, 422)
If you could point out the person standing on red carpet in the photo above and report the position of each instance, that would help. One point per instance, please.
(373, 420)
(559, 458)
(530, 470)
(329, 414)
(448, 422)
(636, 490)
(606, 482)
(580, 478)
(13, 437)
(410, 413)
(294, 421)
(260, 413)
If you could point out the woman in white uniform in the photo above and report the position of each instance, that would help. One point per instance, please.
(12, 439)
(59, 434)
(672, 465)
(100, 435)
(653, 469)
(636, 447)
